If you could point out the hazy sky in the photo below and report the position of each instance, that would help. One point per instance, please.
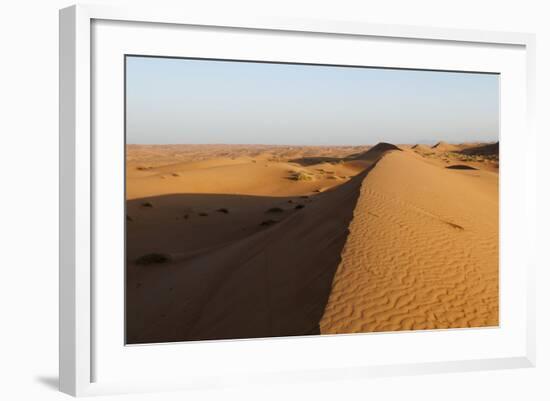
(200, 101)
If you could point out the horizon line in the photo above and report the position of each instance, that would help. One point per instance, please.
(317, 145)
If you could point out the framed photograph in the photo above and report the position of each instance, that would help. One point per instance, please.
(278, 200)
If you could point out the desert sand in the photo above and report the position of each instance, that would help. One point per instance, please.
(242, 241)
(422, 252)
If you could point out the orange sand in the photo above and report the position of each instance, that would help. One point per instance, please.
(422, 251)
(231, 241)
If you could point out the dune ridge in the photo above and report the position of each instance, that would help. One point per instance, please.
(483, 149)
(443, 146)
(422, 252)
(262, 241)
(272, 281)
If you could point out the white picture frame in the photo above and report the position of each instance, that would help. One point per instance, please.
(79, 152)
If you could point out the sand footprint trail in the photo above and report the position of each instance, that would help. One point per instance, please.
(422, 252)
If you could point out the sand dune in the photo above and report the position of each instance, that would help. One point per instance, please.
(268, 173)
(227, 274)
(480, 156)
(420, 147)
(248, 283)
(376, 151)
(444, 147)
(422, 251)
(257, 241)
(482, 149)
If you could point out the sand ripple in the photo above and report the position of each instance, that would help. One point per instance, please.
(422, 252)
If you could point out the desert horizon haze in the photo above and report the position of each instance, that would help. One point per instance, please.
(197, 101)
(268, 200)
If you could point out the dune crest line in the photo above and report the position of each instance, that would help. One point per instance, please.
(422, 252)
(273, 282)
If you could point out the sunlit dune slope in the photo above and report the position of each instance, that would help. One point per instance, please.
(422, 252)
(265, 174)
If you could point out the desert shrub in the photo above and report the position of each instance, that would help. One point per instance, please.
(270, 222)
(153, 258)
(223, 210)
(461, 167)
(275, 210)
(301, 176)
(299, 207)
(147, 204)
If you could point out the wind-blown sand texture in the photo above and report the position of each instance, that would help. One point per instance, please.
(231, 241)
(422, 252)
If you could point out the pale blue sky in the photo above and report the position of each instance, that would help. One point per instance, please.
(173, 101)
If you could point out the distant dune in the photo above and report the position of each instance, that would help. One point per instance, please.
(470, 155)
(444, 147)
(487, 149)
(376, 151)
(421, 148)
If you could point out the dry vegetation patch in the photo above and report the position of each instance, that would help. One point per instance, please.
(301, 176)
(153, 258)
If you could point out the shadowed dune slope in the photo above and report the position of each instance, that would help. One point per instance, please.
(252, 280)
(422, 252)
(273, 282)
(485, 150)
(460, 167)
(370, 155)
